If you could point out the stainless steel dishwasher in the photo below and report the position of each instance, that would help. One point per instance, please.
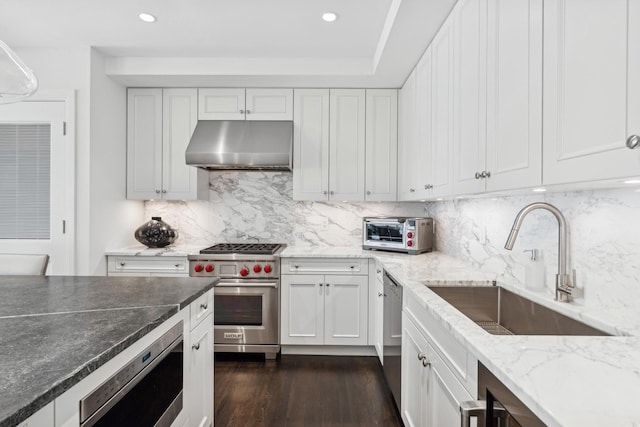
(392, 341)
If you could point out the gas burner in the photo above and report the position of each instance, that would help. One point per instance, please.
(243, 248)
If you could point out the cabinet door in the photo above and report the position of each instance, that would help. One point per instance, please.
(442, 123)
(345, 310)
(422, 154)
(221, 104)
(311, 144)
(408, 140)
(469, 85)
(269, 104)
(199, 396)
(586, 48)
(302, 309)
(378, 320)
(444, 393)
(381, 144)
(346, 144)
(633, 91)
(413, 376)
(180, 115)
(144, 144)
(514, 94)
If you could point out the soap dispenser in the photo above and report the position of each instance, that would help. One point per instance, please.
(534, 271)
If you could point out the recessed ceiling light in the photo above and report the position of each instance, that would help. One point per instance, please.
(539, 190)
(147, 17)
(632, 181)
(329, 16)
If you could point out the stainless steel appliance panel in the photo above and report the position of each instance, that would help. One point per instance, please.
(392, 340)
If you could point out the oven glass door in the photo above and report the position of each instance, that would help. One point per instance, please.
(385, 232)
(246, 313)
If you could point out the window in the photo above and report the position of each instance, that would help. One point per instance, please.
(25, 189)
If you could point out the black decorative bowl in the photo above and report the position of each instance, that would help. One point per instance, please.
(156, 233)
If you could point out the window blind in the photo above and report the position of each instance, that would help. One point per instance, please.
(25, 174)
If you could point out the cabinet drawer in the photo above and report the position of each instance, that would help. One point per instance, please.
(453, 353)
(144, 264)
(201, 308)
(325, 266)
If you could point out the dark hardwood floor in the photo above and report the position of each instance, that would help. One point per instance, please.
(301, 391)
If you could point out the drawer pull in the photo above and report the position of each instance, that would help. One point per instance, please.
(196, 346)
(204, 306)
(122, 263)
(177, 265)
(421, 356)
(296, 266)
(352, 267)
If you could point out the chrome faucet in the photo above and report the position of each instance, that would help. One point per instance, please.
(564, 281)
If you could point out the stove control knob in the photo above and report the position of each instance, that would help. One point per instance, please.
(267, 268)
(410, 235)
(244, 271)
(198, 268)
(208, 268)
(257, 268)
(410, 243)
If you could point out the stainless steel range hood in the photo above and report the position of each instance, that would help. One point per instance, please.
(241, 145)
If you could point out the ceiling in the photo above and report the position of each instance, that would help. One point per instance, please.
(373, 43)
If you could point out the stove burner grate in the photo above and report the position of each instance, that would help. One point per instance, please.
(243, 248)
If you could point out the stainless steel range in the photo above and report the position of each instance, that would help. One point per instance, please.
(247, 298)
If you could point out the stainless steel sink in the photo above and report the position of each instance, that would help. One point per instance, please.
(502, 312)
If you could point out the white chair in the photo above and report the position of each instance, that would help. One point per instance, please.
(23, 264)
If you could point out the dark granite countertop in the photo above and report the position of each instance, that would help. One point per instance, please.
(56, 330)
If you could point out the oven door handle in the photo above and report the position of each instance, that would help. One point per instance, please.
(246, 285)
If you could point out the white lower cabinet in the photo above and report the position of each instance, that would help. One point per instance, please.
(42, 418)
(376, 308)
(325, 308)
(198, 395)
(431, 394)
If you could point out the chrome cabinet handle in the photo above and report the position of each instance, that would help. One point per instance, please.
(328, 285)
(325, 192)
(378, 271)
(296, 266)
(352, 267)
(332, 192)
(164, 191)
(428, 186)
(368, 193)
(425, 362)
(633, 142)
(421, 356)
(477, 175)
(320, 284)
(412, 190)
(196, 346)
(204, 306)
(248, 111)
(157, 191)
(177, 265)
(380, 294)
(122, 263)
(241, 111)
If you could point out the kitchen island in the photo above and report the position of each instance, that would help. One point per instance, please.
(56, 331)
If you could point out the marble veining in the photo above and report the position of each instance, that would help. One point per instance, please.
(259, 207)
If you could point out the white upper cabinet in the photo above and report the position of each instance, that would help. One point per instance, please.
(381, 144)
(591, 89)
(241, 104)
(408, 140)
(423, 162)
(442, 116)
(221, 104)
(311, 144)
(346, 144)
(269, 104)
(342, 140)
(469, 88)
(514, 94)
(160, 123)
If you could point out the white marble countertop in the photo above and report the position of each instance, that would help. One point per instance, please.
(566, 381)
(171, 250)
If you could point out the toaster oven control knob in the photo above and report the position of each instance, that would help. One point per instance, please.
(198, 268)
(244, 271)
(410, 235)
(257, 268)
(410, 243)
(267, 268)
(208, 268)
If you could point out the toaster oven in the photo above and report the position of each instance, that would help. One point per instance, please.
(409, 235)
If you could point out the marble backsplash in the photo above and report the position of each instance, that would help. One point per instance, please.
(258, 207)
(604, 240)
(604, 234)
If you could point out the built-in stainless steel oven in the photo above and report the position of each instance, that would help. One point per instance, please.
(247, 298)
(145, 392)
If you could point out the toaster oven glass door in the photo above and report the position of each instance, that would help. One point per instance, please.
(381, 232)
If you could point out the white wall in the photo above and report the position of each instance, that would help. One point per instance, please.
(258, 207)
(112, 218)
(604, 235)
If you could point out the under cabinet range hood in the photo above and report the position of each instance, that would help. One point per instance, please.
(241, 145)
